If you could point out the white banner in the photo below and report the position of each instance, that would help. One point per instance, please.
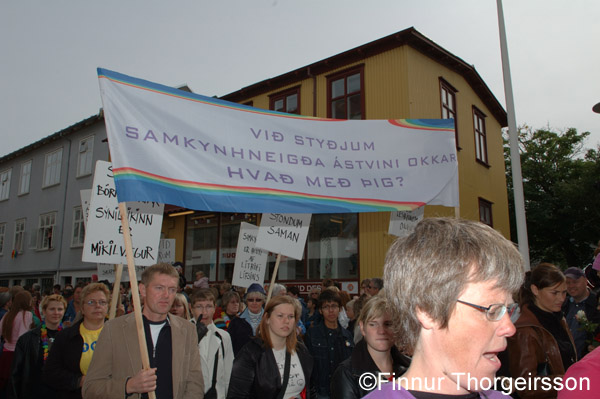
(250, 262)
(104, 240)
(176, 147)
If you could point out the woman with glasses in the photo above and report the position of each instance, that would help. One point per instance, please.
(274, 364)
(242, 328)
(32, 350)
(449, 285)
(375, 353)
(543, 345)
(72, 352)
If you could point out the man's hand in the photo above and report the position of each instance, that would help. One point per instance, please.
(144, 381)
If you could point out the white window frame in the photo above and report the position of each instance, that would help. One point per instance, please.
(52, 168)
(25, 177)
(77, 238)
(2, 236)
(19, 241)
(5, 184)
(46, 229)
(85, 157)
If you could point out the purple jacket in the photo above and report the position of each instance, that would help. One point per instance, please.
(394, 391)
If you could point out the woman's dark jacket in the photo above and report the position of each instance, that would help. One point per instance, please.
(62, 371)
(255, 373)
(26, 369)
(345, 380)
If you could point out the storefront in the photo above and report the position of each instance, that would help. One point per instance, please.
(331, 250)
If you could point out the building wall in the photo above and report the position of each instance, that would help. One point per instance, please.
(60, 198)
(404, 83)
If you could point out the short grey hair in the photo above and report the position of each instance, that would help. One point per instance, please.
(430, 268)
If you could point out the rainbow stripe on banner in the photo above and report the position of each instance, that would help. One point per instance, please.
(175, 147)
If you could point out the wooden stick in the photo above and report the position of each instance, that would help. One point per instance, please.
(273, 277)
(116, 295)
(135, 293)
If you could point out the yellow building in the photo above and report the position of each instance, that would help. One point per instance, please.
(404, 75)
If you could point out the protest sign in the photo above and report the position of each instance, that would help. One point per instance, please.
(104, 234)
(108, 272)
(255, 160)
(284, 234)
(166, 250)
(250, 262)
(402, 223)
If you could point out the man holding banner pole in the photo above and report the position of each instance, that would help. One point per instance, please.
(116, 370)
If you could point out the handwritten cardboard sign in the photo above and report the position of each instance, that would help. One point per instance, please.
(108, 271)
(402, 223)
(104, 232)
(250, 262)
(166, 250)
(284, 233)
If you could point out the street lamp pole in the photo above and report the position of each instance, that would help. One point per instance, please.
(513, 136)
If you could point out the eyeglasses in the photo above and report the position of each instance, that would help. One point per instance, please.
(495, 311)
(254, 299)
(93, 302)
(330, 307)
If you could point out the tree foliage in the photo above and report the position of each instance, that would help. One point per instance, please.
(561, 184)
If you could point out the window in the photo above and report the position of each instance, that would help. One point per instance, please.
(485, 212)
(345, 95)
(480, 136)
(19, 235)
(86, 155)
(46, 231)
(5, 184)
(331, 249)
(25, 178)
(448, 101)
(78, 228)
(52, 168)
(2, 234)
(287, 101)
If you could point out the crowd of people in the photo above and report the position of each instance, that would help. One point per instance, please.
(457, 317)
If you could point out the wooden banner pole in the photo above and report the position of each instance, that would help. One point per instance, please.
(116, 294)
(273, 277)
(135, 293)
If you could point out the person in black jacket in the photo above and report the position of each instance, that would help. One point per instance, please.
(328, 342)
(274, 364)
(74, 347)
(31, 353)
(374, 354)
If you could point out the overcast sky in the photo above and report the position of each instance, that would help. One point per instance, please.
(50, 50)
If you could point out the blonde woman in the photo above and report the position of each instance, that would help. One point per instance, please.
(181, 307)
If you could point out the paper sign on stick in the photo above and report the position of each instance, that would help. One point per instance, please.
(166, 250)
(402, 223)
(85, 196)
(104, 236)
(107, 272)
(284, 233)
(250, 262)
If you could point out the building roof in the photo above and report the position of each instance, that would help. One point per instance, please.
(55, 136)
(410, 37)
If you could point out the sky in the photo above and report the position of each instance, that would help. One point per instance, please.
(49, 51)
